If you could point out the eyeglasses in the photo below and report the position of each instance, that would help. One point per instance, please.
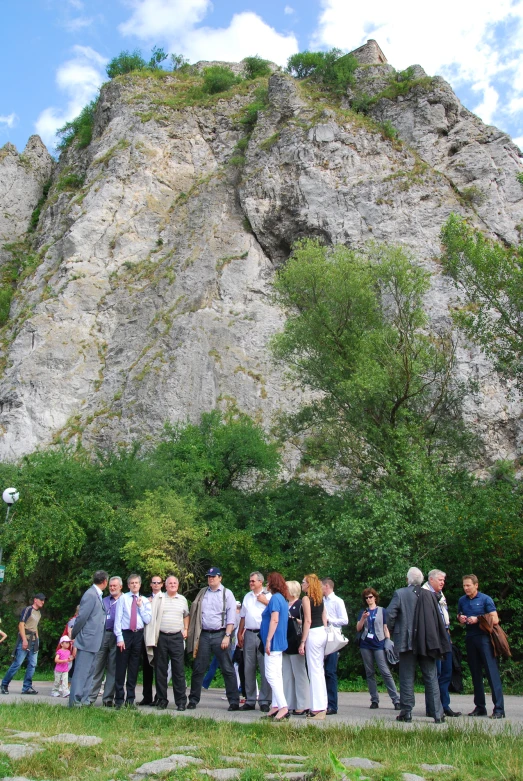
(156, 582)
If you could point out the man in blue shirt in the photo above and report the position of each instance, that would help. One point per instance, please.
(133, 611)
(479, 649)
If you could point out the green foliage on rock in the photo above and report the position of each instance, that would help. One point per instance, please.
(125, 62)
(218, 78)
(333, 69)
(489, 275)
(256, 67)
(79, 130)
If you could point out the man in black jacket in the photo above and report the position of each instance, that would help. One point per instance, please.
(420, 638)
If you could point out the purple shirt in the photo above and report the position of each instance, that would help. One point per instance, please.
(110, 609)
(212, 609)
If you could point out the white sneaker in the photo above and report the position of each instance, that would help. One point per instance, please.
(66, 694)
(55, 694)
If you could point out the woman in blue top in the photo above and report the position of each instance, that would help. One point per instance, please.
(273, 634)
(372, 623)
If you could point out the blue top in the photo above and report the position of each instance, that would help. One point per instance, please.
(278, 604)
(477, 606)
(372, 643)
(110, 611)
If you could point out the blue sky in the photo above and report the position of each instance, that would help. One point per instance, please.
(54, 52)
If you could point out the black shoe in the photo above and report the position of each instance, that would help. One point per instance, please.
(30, 690)
(108, 704)
(179, 707)
(191, 706)
(478, 712)
(397, 706)
(330, 712)
(404, 715)
(439, 721)
(452, 714)
(162, 705)
(130, 704)
(250, 707)
(301, 712)
(265, 708)
(234, 706)
(118, 705)
(146, 702)
(498, 714)
(4, 689)
(374, 706)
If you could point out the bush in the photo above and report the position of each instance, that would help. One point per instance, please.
(126, 62)
(79, 129)
(218, 78)
(178, 62)
(473, 196)
(304, 64)
(388, 130)
(35, 216)
(519, 177)
(69, 182)
(256, 67)
(334, 69)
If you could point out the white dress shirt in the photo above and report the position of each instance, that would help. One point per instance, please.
(122, 615)
(336, 610)
(252, 610)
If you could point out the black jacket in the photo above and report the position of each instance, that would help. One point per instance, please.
(430, 638)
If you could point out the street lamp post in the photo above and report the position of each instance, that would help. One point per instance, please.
(10, 496)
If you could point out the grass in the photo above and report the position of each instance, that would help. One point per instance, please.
(131, 738)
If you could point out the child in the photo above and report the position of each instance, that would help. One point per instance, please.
(62, 659)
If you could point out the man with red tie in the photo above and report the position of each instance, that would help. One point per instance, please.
(133, 612)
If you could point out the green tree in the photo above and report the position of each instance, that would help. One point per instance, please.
(357, 334)
(489, 277)
(165, 536)
(333, 69)
(125, 62)
(218, 78)
(256, 67)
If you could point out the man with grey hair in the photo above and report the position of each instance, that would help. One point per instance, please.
(411, 610)
(253, 605)
(435, 583)
(106, 657)
(133, 612)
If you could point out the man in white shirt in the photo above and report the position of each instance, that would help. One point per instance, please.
(253, 605)
(132, 613)
(167, 632)
(337, 615)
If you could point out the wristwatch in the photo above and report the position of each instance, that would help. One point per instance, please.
(227, 634)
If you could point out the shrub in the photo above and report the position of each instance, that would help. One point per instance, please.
(362, 104)
(519, 177)
(69, 182)
(35, 216)
(79, 129)
(473, 196)
(178, 62)
(256, 67)
(126, 62)
(218, 78)
(334, 69)
(388, 130)
(304, 64)
(250, 112)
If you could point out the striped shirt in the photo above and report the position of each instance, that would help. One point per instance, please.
(174, 611)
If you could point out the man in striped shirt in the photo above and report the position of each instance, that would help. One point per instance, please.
(168, 631)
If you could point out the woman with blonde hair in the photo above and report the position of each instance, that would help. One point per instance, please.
(295, 678)
(313, 640)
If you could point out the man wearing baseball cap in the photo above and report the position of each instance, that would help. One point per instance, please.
(26, 646)
(211, 624)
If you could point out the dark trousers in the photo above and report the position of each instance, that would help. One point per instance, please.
(408, 662)
(128, 662)
(330, 665)
(480, 656)
(444, 668)
(148, 674)
(210, 643)
(170, 648)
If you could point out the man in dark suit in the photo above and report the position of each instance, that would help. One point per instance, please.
(401, 615)
(88, 632)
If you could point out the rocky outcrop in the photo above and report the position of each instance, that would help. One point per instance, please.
(152, 301)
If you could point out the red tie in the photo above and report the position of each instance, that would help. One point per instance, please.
(134, 615)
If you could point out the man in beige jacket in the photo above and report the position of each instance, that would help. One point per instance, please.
(165, 638)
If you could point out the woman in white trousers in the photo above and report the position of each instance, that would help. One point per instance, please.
(313, 641)
(273, 634)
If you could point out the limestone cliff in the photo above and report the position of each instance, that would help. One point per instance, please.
(152, 300)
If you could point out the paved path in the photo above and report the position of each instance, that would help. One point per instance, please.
(353, 709)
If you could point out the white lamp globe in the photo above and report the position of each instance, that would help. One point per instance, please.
(10, 495)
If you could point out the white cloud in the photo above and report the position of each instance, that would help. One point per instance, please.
(477, 45)
(175, 23)
(519, 142)
(8, 120)
(76, 4)
(79, 79)
(288, 10)
(73, 25)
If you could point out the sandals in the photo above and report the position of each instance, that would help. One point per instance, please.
(282, 718)
(318, 716)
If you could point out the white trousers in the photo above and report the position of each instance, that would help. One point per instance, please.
(274, 676)
(296, 682)
(315, 652)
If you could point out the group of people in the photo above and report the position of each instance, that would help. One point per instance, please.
(276, 630)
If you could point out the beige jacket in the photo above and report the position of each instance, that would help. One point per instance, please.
(152, 629)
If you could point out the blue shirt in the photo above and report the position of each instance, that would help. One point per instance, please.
(373, 643)
(122, 617)
(477, 606)
(213, 614)
(278, 604)
(110, 610)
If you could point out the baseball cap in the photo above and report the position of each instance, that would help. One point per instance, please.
(212, 571)
(65, 639)
(40, 596)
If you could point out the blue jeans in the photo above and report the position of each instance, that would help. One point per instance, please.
(20, 655)
(330, 665)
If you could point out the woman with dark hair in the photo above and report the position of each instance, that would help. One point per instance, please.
(372, 624)
(273, 634)
(313, 640)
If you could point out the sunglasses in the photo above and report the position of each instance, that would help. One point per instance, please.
(370, 597)
(156, 582)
